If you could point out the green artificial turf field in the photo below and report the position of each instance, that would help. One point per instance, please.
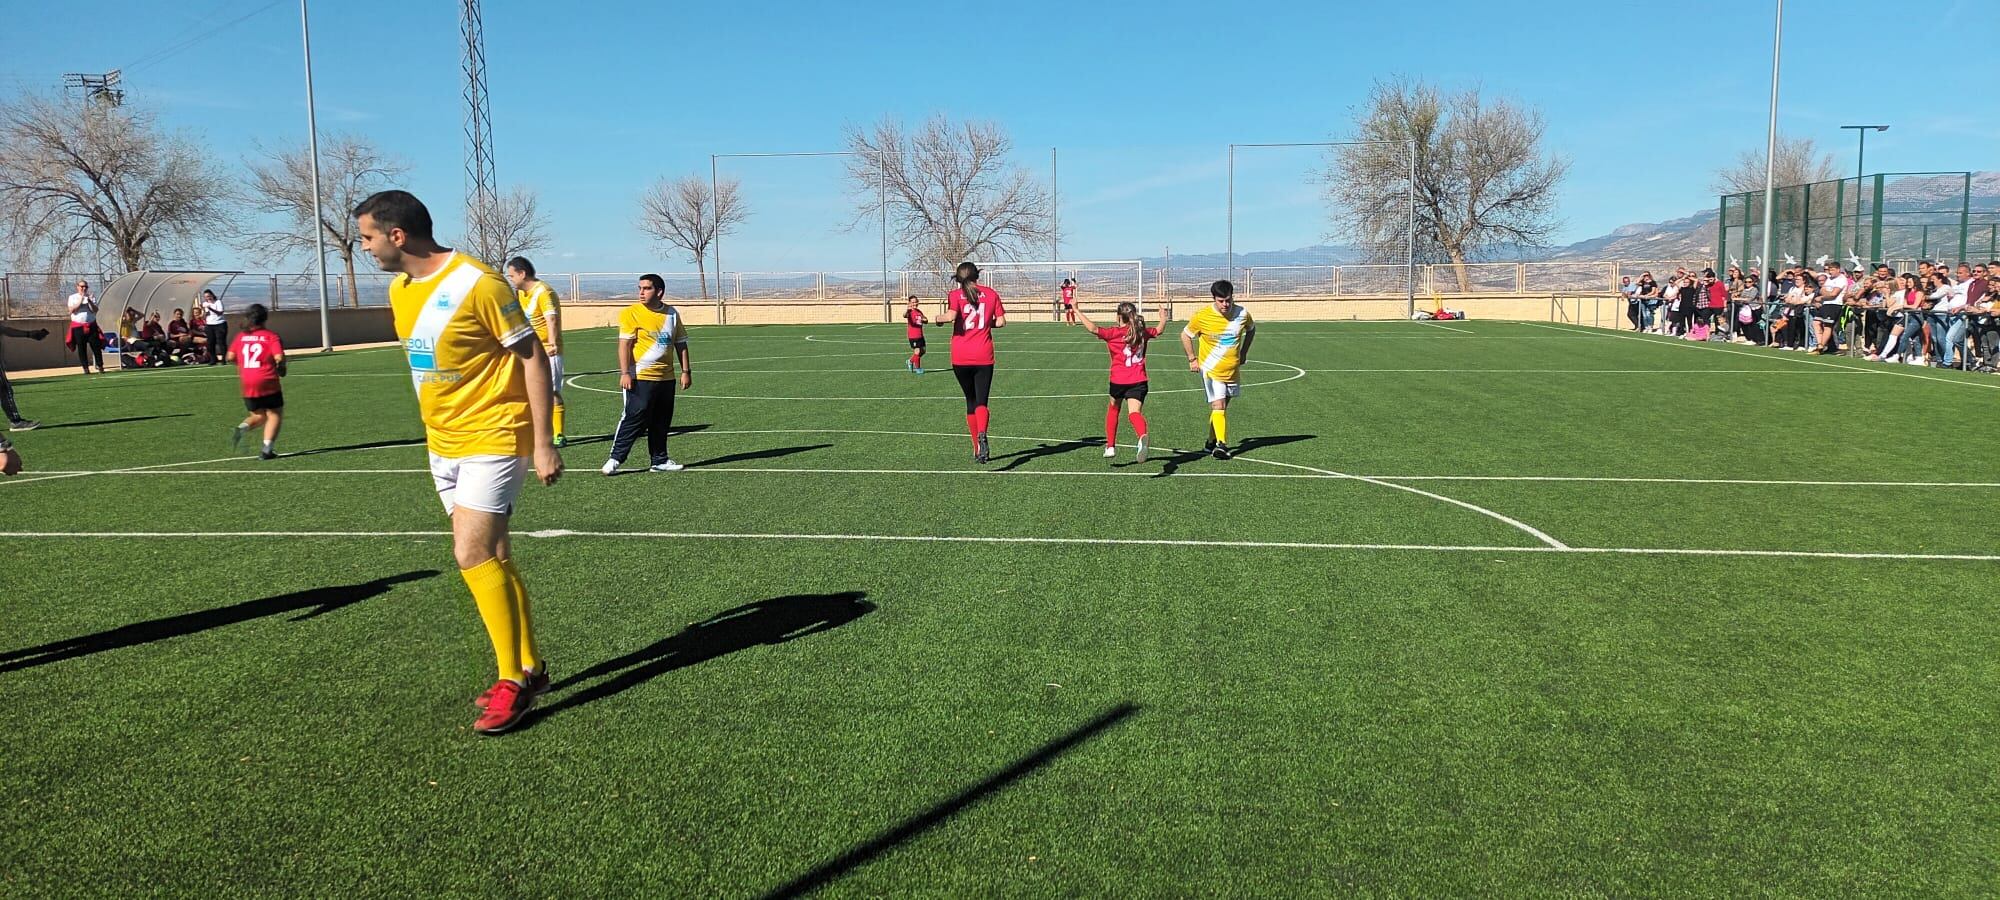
(1484, 607)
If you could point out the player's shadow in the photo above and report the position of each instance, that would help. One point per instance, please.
(308, 603)
(122, 421)
(773, 621)
(1172, 464)
(371, 445)
(769, 453)
(606, 437)
(1021, 458)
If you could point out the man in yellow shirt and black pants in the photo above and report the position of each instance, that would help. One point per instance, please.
(482, 382)
(1223, 331)
(651, 341)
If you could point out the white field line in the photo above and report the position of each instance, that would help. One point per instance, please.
(1537, 533)
(561, 533)
(698, 469)
(1297, 373)
(1591, 371)
(1445, 327)
(1812, 361)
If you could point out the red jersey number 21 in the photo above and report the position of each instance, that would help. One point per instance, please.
(974, 317)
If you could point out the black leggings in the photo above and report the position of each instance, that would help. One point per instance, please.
(7, 397)
(218, 342)
(976, 382)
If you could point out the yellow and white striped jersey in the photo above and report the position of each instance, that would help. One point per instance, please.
(1218, 339)
(654, 335)
(544, 311)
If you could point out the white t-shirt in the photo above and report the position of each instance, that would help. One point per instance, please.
(214, 312)
(1833, 289)
(82, 309)
(1957, 298)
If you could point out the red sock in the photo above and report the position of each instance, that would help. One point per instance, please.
(914, 360)
(972, 425)
(1111, 425)
(979, 418)
(1138, 423)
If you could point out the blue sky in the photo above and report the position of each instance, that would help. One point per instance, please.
(594, 100)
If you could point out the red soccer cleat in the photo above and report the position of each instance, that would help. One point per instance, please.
(538, 684)
(507, 704)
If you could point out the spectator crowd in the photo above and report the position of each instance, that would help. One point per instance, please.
(1938, 315)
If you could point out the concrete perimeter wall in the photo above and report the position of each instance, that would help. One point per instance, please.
(300, 328)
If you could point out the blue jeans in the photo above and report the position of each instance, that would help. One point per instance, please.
(1648, 309)
(1947, 333)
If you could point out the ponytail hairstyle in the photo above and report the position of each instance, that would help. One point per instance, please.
(257, 315)
(967, 276)
(1135, 327)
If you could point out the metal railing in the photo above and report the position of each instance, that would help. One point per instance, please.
(42, 294)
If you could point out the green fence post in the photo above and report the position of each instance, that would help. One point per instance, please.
(1964, 216)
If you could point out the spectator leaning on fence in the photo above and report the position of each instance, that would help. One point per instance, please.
(1649, 301)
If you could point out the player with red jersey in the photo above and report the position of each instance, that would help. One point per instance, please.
(915, 318)
(1127, 344)
(260, 361)
(975, 310)
(1069, 300)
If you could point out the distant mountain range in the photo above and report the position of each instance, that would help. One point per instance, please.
(1687, 238)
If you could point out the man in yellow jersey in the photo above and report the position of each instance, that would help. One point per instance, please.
(483, 388)
(651, 340)
(544, 311)
(1224, 331)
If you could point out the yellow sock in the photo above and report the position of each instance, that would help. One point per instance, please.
(555, 419)
(518, 592)
(1218, 422)
(490, 593)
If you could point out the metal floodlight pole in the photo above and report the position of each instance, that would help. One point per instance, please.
(882, 195)
(312, 144)
(1861, 158)
(1771, 140)
(715, 216)
(1410, 237)
(1055, 234)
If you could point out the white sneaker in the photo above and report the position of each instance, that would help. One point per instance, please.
(1914, 361)
(610, 467)
(1141, 447)
(1110, 451)
(668, 466)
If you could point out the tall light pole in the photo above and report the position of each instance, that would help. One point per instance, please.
(1771, 141)
(312, 144)
(1861, 158)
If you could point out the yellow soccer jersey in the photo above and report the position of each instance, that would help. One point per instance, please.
(456, 327)
(1217, 339)
(654, 335)
(544, 311)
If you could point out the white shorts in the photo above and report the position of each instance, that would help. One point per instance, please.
(485, 483)
(1219, 390)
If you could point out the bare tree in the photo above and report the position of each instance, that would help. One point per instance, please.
(951, 192)
(1483, 181)
(1798, 162)
(688, 213)
(76, 171)
(281, 184)
(511, 225)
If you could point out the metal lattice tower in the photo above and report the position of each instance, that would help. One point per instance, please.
(480, 188)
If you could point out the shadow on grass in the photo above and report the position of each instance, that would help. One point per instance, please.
(771, 453)
(827, 872)
(92, 424)
(1171, 464)
(606, 437)
(773, 621)
(371, 445)
(314, 602)
(1020, 458)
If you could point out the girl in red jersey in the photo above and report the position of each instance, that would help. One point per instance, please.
(1069, 300)
(915, 318)
(1127, 344)
(260, 361)
(975, 310)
